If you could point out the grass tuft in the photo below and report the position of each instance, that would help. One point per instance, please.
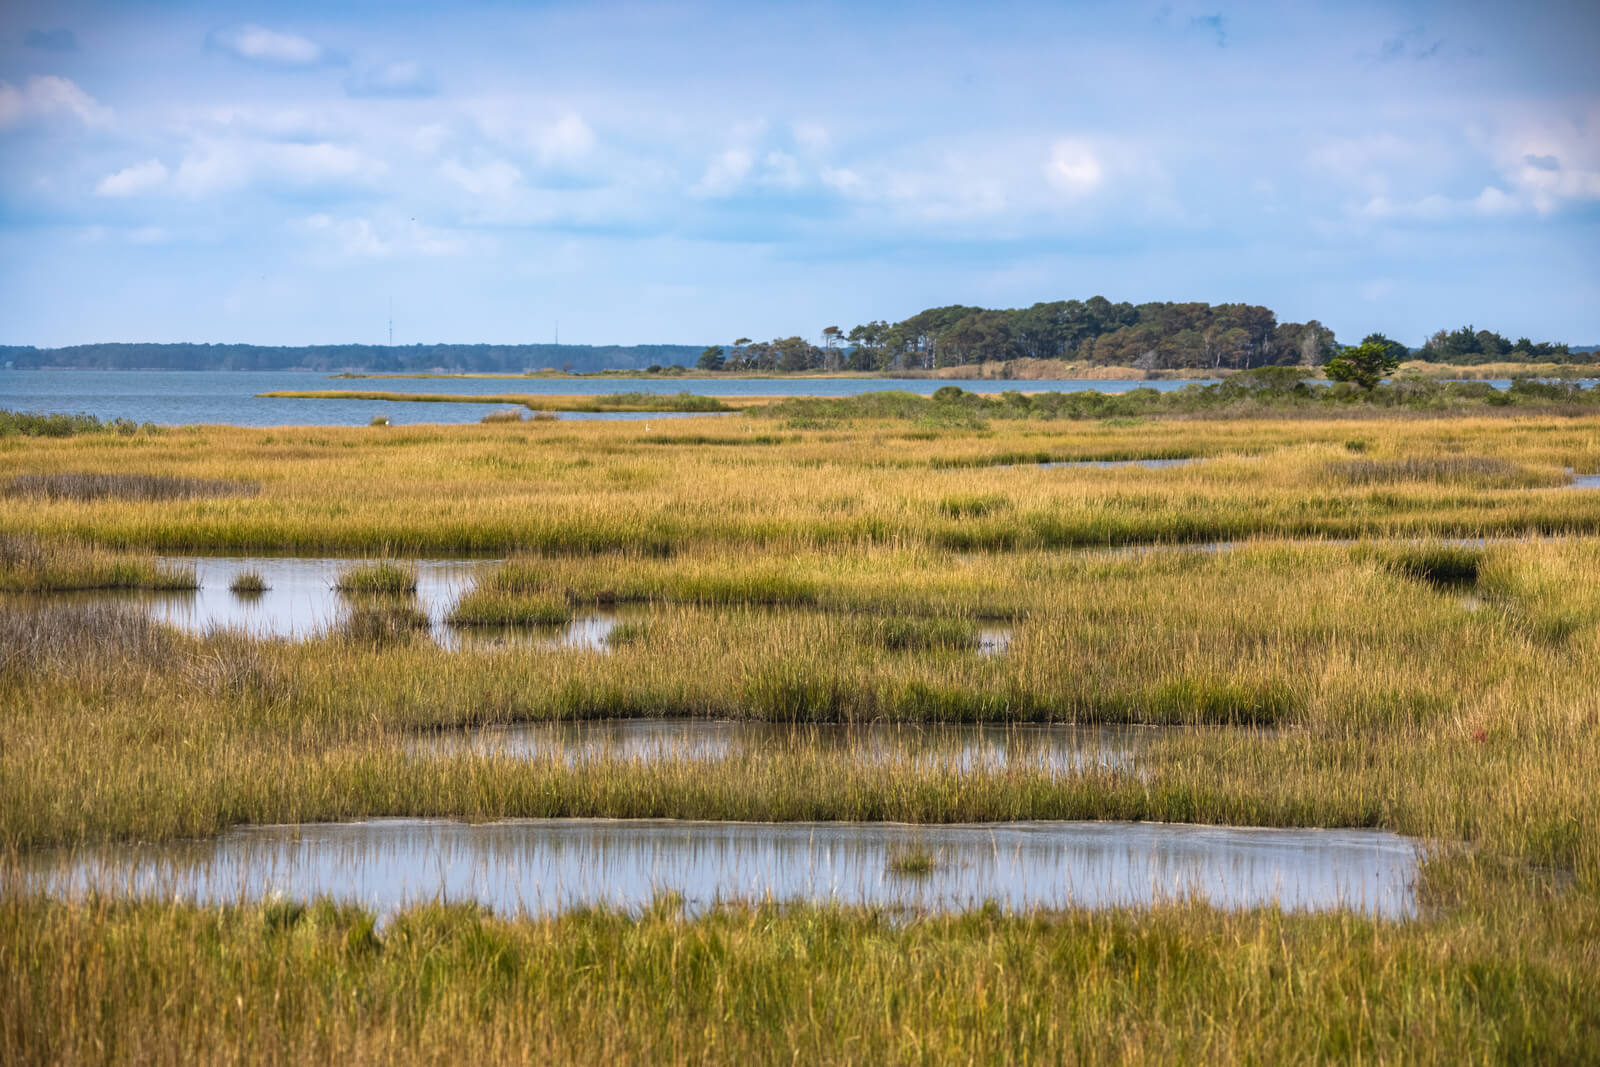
(248, 583)
(382, 576)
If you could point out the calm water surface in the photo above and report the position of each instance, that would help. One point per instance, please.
(550, 866)
(176, 398)
(301, 602)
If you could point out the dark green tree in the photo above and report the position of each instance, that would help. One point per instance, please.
(1365, 364)
(712, 359)
(1399, 351)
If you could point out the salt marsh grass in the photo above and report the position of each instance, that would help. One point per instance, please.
(248, 583)
(382, 576)
(96, 981)
(1436, 678)
(92, 486)
(31, 564)
(597, 487)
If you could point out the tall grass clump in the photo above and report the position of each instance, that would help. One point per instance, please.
(682, 401)
(505, 415)
(37, 565)
(380, 621)
(51, 637)
(248, 583)
(494, 608)
(382, 576)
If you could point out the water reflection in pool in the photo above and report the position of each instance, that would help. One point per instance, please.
(548, 866)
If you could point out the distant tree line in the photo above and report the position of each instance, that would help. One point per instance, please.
(505, 359)
(1467, 345)
(1151, 336)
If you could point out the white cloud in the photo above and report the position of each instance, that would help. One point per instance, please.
(131, 181)
(724, 174)
(1493, 201)
(496, 179)
(1549, 162)
(843, 180)
(1074, 168)
(399, 79)
(363, 238)
(567, 140)
(428, 139)
(49, 96)
(812, 136)
(782, 170)
(1435, 207)
(221, 166)
(271, 125)
(256, 44)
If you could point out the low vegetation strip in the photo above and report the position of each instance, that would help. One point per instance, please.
(40, 424)
(1263, 392)
(610, 402)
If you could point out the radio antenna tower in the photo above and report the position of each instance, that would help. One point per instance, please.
(391, 322)
(558, 331)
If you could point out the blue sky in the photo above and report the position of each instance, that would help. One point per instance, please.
(684, 172)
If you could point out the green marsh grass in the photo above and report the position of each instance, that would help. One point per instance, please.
(31, 564)
(1308, 683)
(78, 485)
(248, 583)
(493, 608)
(590, 488)
(260, 982)
(381, 576)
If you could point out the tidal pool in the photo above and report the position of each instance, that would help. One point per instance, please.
(300, 601)
(1053, 748)
(550, 866)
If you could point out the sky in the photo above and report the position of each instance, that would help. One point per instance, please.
(634, 173)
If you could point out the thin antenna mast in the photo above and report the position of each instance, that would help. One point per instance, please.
(391, 322)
